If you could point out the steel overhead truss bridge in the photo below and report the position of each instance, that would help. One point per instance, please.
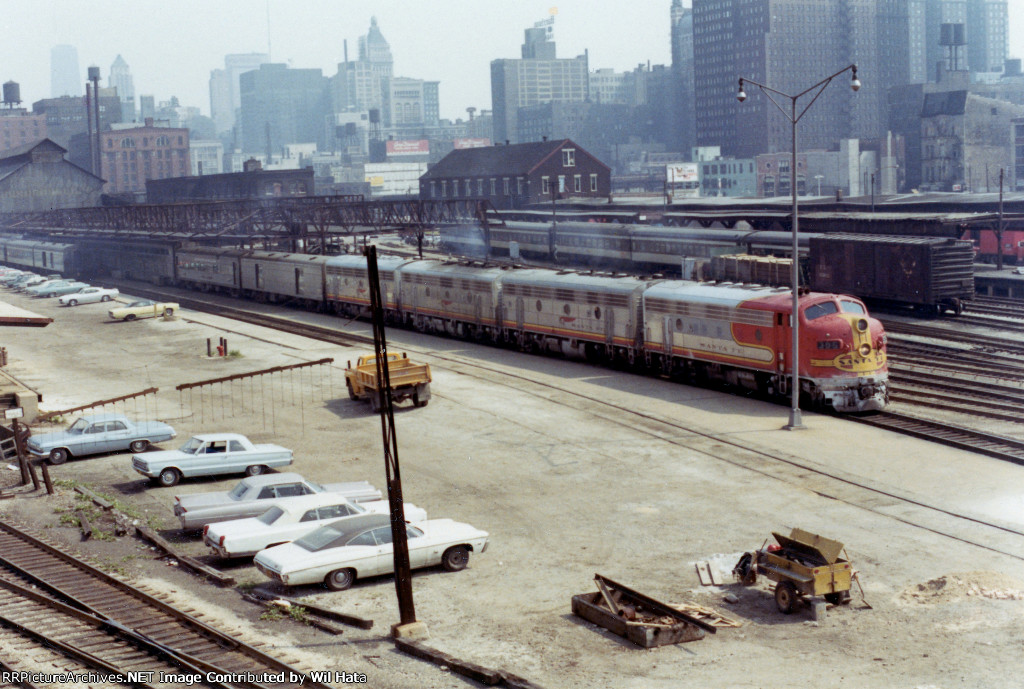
(311, 221)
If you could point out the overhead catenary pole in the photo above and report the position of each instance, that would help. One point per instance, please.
(999, 227)
(795, 418)
(399, 537)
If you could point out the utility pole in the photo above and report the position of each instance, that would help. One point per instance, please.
(999, 227)
(407, 627)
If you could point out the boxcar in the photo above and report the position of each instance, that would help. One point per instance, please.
(931, 274)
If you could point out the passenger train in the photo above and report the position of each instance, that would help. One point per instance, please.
(707, 333)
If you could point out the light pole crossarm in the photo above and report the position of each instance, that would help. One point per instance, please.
(820, 86)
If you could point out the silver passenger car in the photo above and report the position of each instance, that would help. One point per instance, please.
(449, 297)
(209, 268)
(273, 276)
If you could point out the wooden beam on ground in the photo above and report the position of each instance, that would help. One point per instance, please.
(187, 560)
(97, 500)
(83, 523)
(352, 620)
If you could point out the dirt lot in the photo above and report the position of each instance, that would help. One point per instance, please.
(573, 470)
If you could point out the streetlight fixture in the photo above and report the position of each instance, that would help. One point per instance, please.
(795, 418)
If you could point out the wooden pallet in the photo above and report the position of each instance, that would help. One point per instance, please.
(709, 615)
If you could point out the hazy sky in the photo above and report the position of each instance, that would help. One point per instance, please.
(172, 45)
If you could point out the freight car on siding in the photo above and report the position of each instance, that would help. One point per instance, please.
(929, 274)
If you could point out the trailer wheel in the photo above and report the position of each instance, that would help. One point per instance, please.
(351, 392)
(416, 400)
(786, 597)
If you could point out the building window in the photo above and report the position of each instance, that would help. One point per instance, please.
(519, 186)
(505, 186)
(568, 157)
(433, 189)
(494, 184)
(479, 187)
(545, 185)
(469, 187)
(444, 188)
(593, 182)
(561, 183)
(577, 183)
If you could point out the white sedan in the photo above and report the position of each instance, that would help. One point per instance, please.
(289, 520)
(342, 551)
(89, 295)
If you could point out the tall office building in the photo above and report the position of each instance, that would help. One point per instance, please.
(534, 81)
(281, 106)
(362, 84)
(985, 30)
(225, 96)
(121, 79)
(410, 104)
(65, 76)
(790, 45)
(683, 132)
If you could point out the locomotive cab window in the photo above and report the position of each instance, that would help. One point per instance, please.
(852, 306)
(825, 308)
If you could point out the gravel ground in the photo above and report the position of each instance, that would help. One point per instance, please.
(573, 470)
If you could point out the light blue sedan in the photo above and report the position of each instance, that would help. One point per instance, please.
(69, 287)
(90, 435)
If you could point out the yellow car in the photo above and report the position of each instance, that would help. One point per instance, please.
(144, 308)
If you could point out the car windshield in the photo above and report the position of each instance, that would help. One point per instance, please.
(824, 308)
(237, 492)
(318, 540)
(271, 515)
(317, 488)
(191, 446)
(144, 302)
(78, 426)
(852, 306)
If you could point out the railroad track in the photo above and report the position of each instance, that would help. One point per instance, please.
(951, 435)
(346, 339)
(986, 342)
(114, 627)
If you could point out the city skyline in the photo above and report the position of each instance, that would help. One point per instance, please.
(171, 49)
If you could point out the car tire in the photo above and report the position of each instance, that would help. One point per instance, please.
(105, 297)
(169, 477)
(72, 302)
(255, 470)
(130, 317)
(340, 579)
(138, 446)
(59, 455)
(168, 312)
(455, 558)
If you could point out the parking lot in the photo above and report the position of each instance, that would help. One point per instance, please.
(573, 470)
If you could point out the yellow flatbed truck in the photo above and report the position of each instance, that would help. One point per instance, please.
(409, 380)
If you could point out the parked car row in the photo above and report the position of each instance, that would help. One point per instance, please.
(298, 531)
(70, 292)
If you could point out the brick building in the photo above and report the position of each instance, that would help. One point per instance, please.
(517, 175)
(132, 156)
(18, 128)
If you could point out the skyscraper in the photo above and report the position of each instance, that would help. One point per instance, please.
(65, 76)
(791, 45)
(533, 81)
(281, 106)
(986, 29)
(682, 96)
(225, 96)
(121, 79)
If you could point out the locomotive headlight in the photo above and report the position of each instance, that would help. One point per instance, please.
(862, 324)
(865, 350)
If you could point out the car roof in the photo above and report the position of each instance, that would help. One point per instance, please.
(301, 503)
(272, 479)
(206, 437)
(93, 418)
(350, 526)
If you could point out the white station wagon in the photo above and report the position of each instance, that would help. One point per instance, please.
(291, 519)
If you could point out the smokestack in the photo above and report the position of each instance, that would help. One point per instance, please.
(345, 43)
